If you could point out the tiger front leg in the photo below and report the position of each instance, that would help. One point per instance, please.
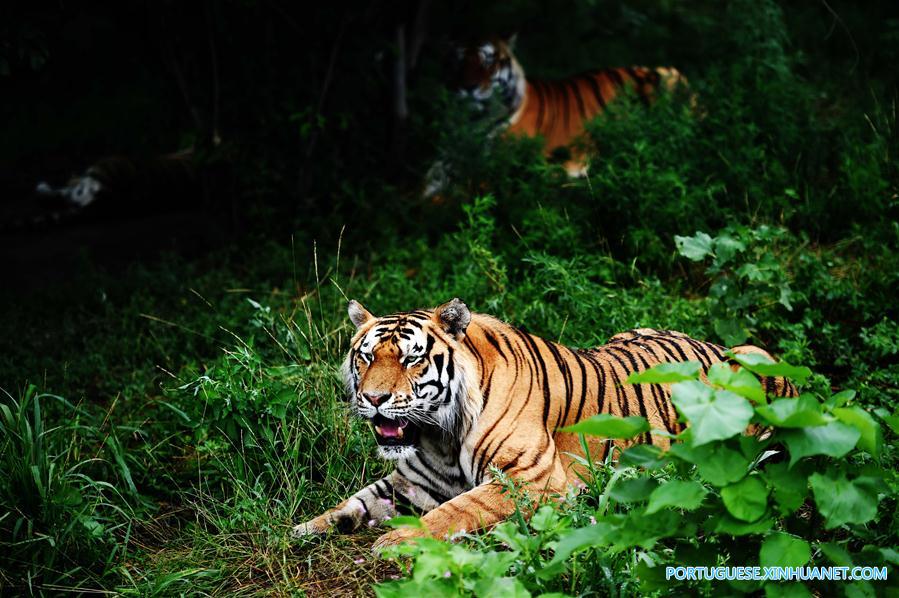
(371, 506)
(487, 504)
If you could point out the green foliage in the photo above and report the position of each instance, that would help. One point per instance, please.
(610, 426)
(713, 490)
(63, 513)
(747, 277)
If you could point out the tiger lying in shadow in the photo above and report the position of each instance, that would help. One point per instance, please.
(119, 185)
(488, 77)
(449, 394)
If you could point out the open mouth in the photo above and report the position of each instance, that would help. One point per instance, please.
(394, 432)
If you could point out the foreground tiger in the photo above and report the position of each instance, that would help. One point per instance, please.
(487, 74)
(450, 393)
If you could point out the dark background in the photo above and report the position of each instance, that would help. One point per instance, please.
(302, 99)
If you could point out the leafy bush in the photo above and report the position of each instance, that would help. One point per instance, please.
(718, 497)
(747, 277)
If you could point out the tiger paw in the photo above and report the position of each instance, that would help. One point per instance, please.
(397, 536)
(314, 527)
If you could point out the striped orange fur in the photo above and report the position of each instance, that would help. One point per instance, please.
(555, 110)
(450, 394)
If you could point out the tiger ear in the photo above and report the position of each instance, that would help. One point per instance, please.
(453, 317)
(358, 314)
(511, 39)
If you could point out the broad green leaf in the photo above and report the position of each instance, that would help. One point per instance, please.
(720, 465)
(837, 555)
(841, 500)
(651, 578)
(731, 331)
(779, 589)
(839, 399)
(834, 440)
(741, 382)
(890, 555)
(642, 455)
(700, 554)
(750, 446)
(94, 527)
(638, 528)
(785, 293)
(713, 414)
(684, 452)
(891, 420)
(545, 518)
(666, 372)
(859, 589)
(784, 550)
(676, 493)
(405, 521)
(764, 366)
(501, 587)
(493, 564)
(716, 463)
(610, 426)
(790, 486)
(694, 248)
(746, 500)
(734, 527)
(635, 490)
(580, 539)
(793, 412)
(727, 247)
(509, 532)
(871, 439)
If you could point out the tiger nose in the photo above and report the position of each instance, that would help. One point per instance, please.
(376, 398)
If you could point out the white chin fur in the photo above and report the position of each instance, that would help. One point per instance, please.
(395, 453)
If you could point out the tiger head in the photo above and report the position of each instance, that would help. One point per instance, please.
(407, 376)
(485, 67)
(80, 192)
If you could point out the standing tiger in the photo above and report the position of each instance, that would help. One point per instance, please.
(487, 74)
(450, 393)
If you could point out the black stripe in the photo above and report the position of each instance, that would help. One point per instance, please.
(597, 92)
(577, 97)
(566, 378)
(535, 354)
(479, 464)
(486, 461)
(563, 92)
(477, 354)
(425, 485)
(638, 85)
(485, 393)
(600, 377)
(615, 76)
(661, 400)
(580, 406)
(666, 341)
(638, 388)
(492, 340)
(541, 100)
(623, 407)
